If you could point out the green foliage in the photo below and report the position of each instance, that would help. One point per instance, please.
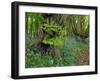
(80, 25)
(85, 23)
(29, 42)
(36, 60)
(70, 49)
(53, 41)
(33, 23)
(61, 33)
(51, 27)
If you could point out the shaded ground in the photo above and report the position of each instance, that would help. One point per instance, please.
(73, 53)
(83, 58)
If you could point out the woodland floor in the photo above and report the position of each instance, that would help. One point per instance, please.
(83, 59)
(74, 53)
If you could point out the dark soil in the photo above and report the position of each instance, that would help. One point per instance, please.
(83, 58)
